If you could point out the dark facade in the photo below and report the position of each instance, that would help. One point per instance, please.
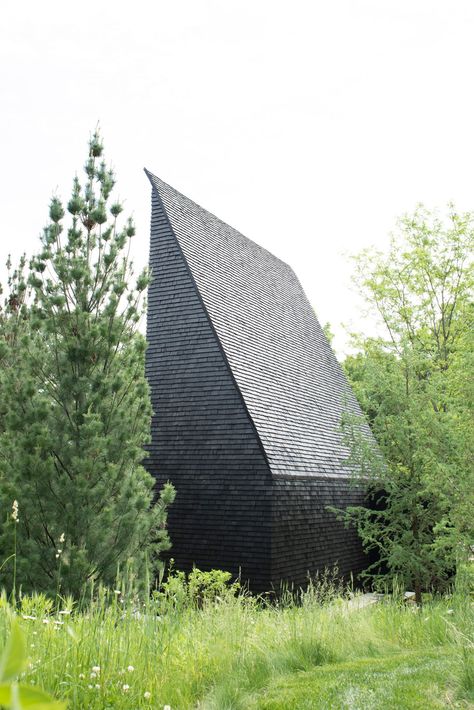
(247, 396)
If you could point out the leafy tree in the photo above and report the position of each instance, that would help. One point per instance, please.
(414, 383)
(328, 333)
(454, 463)
(75, 408)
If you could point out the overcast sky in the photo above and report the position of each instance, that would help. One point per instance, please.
(307, 125)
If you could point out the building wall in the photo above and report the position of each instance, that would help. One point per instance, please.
(203, 440)
(230, 512)
(306, 537)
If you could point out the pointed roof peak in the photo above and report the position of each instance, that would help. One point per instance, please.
(170, 195)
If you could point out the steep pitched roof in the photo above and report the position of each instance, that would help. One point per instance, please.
(292, 385)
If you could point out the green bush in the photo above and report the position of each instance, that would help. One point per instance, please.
(196, 589)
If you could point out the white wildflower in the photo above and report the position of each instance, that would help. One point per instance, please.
(166, 707)
(97, 686)
(93, 675)
(450, 611)
(27, 616)
(81, 676)
(89, 686)
(147, 695)
(95, 669)
(130, 669)
(62, 538)
(15, 511)
(125, 687)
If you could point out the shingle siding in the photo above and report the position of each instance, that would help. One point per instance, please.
(202, 438)
(306, 536)
(247, 395)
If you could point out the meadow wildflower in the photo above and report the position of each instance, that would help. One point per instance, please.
(95, 669)
(147, 695)
(130, 668)
(15, 511)
(125, 688)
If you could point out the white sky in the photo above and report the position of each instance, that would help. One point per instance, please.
(307, 125)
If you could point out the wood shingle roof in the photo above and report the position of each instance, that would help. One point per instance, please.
(291, 383)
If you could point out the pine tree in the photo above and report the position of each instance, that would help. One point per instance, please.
(76, 407)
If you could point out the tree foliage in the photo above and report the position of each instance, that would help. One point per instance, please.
(414, 383)
(75, 412)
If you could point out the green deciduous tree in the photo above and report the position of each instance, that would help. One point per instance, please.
(414, 383)
(75, 408)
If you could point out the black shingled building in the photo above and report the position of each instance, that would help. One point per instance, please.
(247, 396)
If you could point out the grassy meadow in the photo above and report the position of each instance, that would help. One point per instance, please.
(228, 651)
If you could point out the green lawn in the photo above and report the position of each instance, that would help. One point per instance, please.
(412, 681)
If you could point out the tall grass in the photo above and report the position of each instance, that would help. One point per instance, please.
(120, 652)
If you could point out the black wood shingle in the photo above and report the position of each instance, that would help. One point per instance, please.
(247, 396)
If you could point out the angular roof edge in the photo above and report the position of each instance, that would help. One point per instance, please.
(158, 183)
